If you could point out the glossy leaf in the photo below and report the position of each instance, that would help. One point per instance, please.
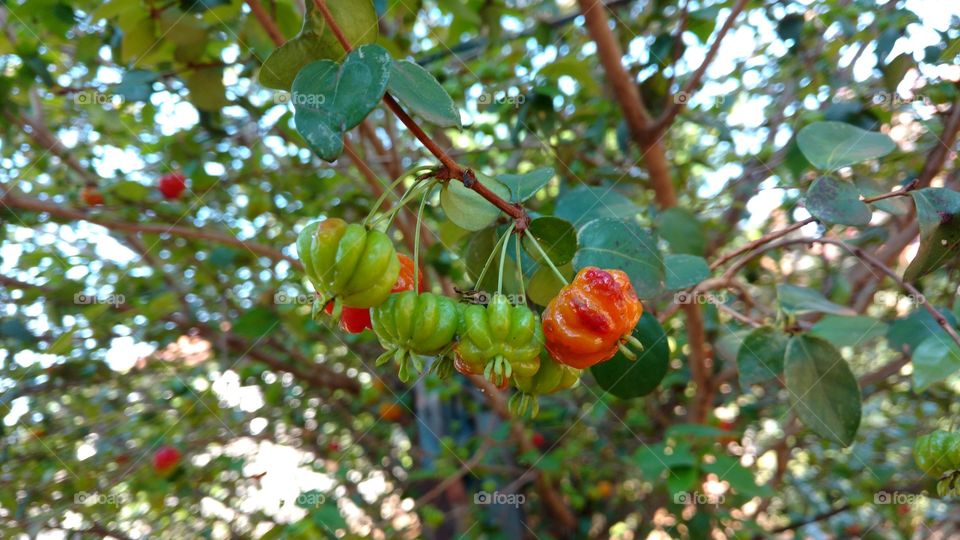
(466, 208)
(823, 391)
(761, 355)
(800, 300)
(526, 185)
(684, 271)
(556, 236)
(837, 202)
(583, 204)
(849, 331)
(628, 379)
(937, 358)
(831, 145)
(622, 245)
(422, 94)
(358, 20)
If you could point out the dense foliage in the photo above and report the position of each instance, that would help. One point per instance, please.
(775, 180)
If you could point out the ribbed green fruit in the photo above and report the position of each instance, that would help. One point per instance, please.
(409, 325)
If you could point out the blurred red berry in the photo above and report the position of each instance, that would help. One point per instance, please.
(165, 459)
(172, 185)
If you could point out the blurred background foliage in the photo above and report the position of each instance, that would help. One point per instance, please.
(148, 322)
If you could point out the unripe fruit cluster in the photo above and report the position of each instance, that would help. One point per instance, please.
(360, 278)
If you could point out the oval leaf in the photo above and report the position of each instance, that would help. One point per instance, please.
(586, 203)
(628, 379)
(835, 201)
(361, 83)
(556, 236)
(800, 300)
(545, 285)
(823, 390)
(761, 354)
(524, 186)
(849, 331)
(684, 271)
(357, 19)
(466, 208)
(935, 359)
(420, 91)
(612, 243)
(831, 145)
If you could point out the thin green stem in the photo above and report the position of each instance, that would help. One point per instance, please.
(393, 185)
(486, 265)
(392, 213)
(546, 258)
(416, 236)
(523, 290)
(503, 256)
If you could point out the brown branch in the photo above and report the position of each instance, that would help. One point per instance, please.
(272, 29)
(678, 104)
(452, 170)
(69, 214)
(655, 158)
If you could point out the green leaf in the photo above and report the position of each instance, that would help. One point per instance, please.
(468, 209)
(831, 145)
(479, 245)
(420, 91)
(556, 236)
(684, 271)
(586, 203)
(129, 190)
(362, 82)
(907, 333)
(138, 40)
(321, 127)
(628, 379)
(800, 300)
(681, 229)
(823, 390)
(761, 355)
(935, 359)
(622, 245)
(938, 213)
(357, 19)
(329, 101)
(206, 89)
(545, 285)
(849, 331)
(255, 323)
(526, 185)
(137, 85)
(835, 201)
